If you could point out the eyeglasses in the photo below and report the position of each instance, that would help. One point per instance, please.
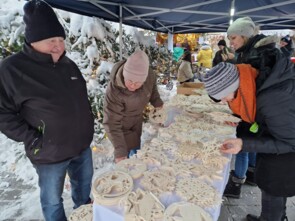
(135, 84)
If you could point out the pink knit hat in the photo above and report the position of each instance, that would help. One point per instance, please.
(136, 67)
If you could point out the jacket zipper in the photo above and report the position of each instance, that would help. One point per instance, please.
(244, 102)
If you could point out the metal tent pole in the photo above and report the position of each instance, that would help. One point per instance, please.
(121, 33)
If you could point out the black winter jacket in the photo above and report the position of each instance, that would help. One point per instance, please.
(45, 105)
(218, 58)
(275, 115)
(252, 52)
(255, 53)
(275, 111)
(287, 50)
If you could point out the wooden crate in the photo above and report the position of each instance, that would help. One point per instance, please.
(188, 88)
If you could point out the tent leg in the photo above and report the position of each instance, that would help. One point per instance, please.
(120, 33)
(170, 42)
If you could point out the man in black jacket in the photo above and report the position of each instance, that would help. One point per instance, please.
(286, 46)
(223, 54)
(44, 103)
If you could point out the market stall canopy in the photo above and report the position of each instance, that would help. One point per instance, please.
(185, 16)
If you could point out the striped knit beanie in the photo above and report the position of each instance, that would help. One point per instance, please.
(221, 80)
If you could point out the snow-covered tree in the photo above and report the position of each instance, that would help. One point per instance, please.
(92, 43)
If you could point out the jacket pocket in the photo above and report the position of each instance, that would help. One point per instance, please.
(35, 148)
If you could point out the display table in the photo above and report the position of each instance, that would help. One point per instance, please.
(115, 213)
(175, 117)
(104, 213)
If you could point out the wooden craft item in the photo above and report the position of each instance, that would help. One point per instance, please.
(198, 192)
(158, 181)
(132, 166)
(222, 117)
(183, 211)
(111, 186)
(83, 212)
(158, 116)
(145, 205)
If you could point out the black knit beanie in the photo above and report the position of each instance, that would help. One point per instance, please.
(221, 42)
(286, 39)
(41, 22)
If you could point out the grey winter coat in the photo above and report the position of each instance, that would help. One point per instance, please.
(123, 110)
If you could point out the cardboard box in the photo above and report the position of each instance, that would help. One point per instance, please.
(188, 88)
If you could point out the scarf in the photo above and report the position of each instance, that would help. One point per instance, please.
(244, 104)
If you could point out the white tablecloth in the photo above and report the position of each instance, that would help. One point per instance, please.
(111, 213)
(115, 213)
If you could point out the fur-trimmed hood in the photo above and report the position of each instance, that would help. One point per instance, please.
(251, 52)
(273, 39)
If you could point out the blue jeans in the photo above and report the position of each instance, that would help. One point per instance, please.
(51, 183)
(272, 207)
(243, 161)
(133, 151)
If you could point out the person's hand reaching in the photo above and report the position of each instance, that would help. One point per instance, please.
(232, 146)
(118, 159)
